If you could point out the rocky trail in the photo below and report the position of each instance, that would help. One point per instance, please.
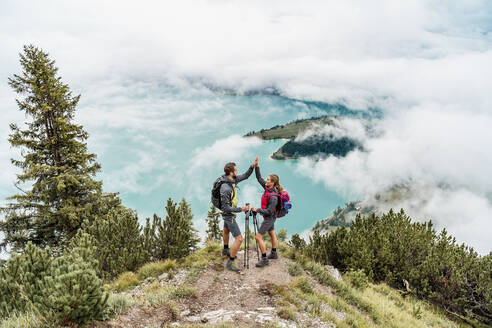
(220, 296)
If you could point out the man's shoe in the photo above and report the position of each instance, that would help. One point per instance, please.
(263, 262)
(231, 266)
(273, 256)
(225, 252)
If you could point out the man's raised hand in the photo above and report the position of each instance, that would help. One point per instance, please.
(255, 163)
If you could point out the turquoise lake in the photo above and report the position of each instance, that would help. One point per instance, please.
(161, 158)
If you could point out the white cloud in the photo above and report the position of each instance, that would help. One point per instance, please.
(426, 64)
(440, 155)
(224, 150)
(356, 129)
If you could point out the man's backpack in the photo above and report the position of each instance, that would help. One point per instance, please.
(216, 192)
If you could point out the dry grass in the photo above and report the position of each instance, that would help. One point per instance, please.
(155, 269)
(125, 281)
(377, 305)
(29, 319)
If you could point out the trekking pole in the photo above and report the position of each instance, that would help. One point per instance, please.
(247, 243)
(255, 226)
(246, 230)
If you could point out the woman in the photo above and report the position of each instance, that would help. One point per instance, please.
(268, 209)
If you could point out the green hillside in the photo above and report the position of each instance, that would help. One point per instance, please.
(290, 130)
(317, 144)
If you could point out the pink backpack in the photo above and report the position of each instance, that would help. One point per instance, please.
(283, 206)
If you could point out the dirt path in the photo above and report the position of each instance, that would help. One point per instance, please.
(223, 296)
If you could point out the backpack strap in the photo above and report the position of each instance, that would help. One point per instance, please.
(279, 200)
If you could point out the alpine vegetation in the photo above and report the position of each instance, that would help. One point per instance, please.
(57, 187)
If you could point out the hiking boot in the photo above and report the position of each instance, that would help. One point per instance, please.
(225, 252)
(231, 266)
(272, 256)
(263, 262)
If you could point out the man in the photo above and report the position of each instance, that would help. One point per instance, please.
(228, 198)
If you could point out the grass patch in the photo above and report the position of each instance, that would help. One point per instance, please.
(349, 294)
(210, 255)
(119, 304)
(125, 281)
(182, 291)
(384, 305)
(155, 269)
(303, 284)
(294, 269)
(357, 279)
(408, 311)
(221, 325)
(287, 313)
(29, 319)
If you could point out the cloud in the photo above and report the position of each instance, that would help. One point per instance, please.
(356, 129)
(426, 64)
(440, 155)
(224, 150)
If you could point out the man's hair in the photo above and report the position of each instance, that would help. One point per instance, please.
(229, 168)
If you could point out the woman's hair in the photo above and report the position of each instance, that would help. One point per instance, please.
(276, 182)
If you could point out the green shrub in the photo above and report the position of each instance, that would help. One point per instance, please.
(357, 279)
(75, 292)
(282, 234)
(174, 237)
(66, 288)
(391, 248)
(119, 241)
(297, 242)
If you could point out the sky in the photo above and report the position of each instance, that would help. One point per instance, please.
(426, 64)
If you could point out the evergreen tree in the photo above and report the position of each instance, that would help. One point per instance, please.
(150, 237)
(119, 241)
(213, 225)
(187, 235)
(174, 237)
(57, 170)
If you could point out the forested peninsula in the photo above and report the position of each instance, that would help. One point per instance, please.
(318, 143)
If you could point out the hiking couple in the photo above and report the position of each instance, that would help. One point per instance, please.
(228, 206)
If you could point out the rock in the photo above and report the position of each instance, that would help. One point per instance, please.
(193, 318)
(185, 313)
(221, 315)
(333, 272)
(266, 309)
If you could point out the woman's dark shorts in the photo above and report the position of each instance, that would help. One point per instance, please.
(267, 225)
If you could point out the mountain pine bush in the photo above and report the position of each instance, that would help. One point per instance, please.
(174, 237)
(119, 242)
(214, 233)
(64, 288)
(391, 248)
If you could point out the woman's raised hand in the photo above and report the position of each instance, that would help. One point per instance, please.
(255, 163)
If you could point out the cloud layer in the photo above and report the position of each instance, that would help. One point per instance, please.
(426, 64)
